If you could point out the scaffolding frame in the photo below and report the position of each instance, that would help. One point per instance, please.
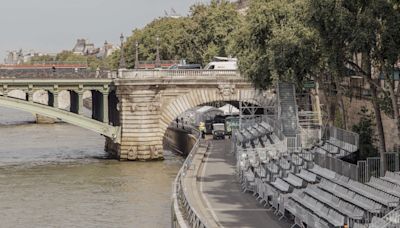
(253, 110)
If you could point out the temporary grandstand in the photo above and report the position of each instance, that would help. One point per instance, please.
(313, 187)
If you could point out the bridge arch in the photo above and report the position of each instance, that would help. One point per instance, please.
(17, 94)
(68, 117)
(41, 96)
(199, 97)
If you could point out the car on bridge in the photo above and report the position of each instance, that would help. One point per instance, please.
(185, 67)
(222, 63)
(218, 131)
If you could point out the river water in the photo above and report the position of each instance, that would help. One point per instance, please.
(59, 176)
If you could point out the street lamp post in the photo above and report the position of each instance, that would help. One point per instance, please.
(122, 63)
(158, 61)
(137, 55)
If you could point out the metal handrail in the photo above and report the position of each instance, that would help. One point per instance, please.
(178, 191)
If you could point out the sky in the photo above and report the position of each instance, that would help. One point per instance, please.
(54, 25)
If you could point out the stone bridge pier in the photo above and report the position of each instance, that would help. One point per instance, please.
(149, 104)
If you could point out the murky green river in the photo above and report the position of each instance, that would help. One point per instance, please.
(59, 176)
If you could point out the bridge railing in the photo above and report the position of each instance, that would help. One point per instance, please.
(180, 203)
(58, 73)
(176, 73)
(49, 64)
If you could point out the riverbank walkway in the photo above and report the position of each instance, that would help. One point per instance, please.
(220, 191)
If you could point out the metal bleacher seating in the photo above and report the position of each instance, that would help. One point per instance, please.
(322, 172)
(385, 186)
(295, 187)
(392, 177)
(294, 180)
(307, 176)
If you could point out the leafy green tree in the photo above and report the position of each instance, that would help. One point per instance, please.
(43, 58)
(112, 61)
(275, 43)
(205, 33)
(365, 129)
(364, 29)
(69, 56)
(169, 31)
(211, 31)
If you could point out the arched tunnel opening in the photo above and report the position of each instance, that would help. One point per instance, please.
(183, 131)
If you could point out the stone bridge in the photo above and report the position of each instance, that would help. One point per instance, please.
(131, 108)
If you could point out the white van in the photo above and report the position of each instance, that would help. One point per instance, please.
(222, 63)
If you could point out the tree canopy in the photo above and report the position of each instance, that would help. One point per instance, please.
(206, 32)
(275, 42)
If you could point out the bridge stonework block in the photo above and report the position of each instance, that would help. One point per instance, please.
(148, 106)
(139, 116)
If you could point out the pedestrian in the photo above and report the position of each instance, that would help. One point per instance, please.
(183, 125)
(202, 130)
(177, 122)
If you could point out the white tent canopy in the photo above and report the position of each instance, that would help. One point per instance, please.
(229, 110)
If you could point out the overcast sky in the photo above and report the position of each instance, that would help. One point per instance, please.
(54, 25)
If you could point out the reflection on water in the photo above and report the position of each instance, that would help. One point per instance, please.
(59, 176)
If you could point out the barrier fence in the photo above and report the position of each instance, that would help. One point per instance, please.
(337, 165)
(188, 214)
(293, 143)
(345, 139)
(363, 170)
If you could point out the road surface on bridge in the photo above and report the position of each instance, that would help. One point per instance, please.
(221, 191)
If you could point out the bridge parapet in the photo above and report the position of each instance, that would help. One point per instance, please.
(140, 74)
(66, 73)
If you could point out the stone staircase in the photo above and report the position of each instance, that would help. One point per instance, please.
(288, 109)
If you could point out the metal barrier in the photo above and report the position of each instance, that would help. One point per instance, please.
(308, 119)
(248, 122)
(294, 143)
(371, 166)
(346, 139)
(363, 170)
(310, 137)
(276, 126)
(337, 165)
(188, 213)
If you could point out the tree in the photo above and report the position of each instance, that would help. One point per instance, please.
(112, 61)
(365, 129)
(211, 30)
(275, 43)
(205, 33)
(170, 31)
(350, 29)
(69, 56)
(42, 58)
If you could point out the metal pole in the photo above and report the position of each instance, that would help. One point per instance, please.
(122, 63)
(137, 55)
(158, 61)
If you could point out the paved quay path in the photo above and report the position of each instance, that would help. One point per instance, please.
(221, 192)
